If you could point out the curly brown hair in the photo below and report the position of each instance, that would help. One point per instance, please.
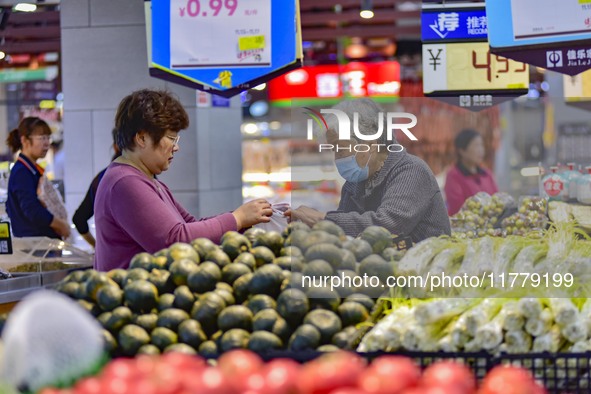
(26, 128)
(153, 111)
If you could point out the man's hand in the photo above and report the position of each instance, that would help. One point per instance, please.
(306, 215)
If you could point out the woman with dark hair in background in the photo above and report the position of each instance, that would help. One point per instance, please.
(134, 211)
(467, 177)
(28, 215)
(86, 209)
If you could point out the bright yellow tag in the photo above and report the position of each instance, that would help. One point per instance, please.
(251, 42)
(4, 231)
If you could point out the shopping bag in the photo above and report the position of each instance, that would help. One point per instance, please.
(51, 199)
(278, 219)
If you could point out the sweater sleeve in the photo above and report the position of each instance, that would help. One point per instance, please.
(25, 193)
(155, 224)
(406, 198)
(453, 193)
(86, 209)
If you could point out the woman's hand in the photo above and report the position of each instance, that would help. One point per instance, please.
(253, 212)
(61, 227)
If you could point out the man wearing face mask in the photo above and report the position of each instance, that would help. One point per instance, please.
(395, 190)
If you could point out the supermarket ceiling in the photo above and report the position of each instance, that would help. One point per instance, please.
(325, 20)
(35, 33)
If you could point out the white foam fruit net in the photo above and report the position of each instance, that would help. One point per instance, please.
(48, 338)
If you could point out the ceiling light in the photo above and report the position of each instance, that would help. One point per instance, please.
(24, 7)
(366, 9)
(2, 55)
(260, 87)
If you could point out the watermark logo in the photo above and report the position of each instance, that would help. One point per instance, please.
(392, 123)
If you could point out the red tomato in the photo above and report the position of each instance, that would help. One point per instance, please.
(121, 368)
(508, 380)
(281, 376)
(348, 390)
(89, 386)
(115, 386)
(182, 361)
(330, 372)
(213, 381)
(239, 363)
(450, 374)
(143, 387)
(390, 375)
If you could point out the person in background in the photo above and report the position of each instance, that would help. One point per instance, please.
(395, 190)
(467, 177)
(86, 209)
(135, 212)
(28, 215)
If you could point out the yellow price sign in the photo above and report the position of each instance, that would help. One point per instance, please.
(249, 43)
(471, 66)
(4, 230)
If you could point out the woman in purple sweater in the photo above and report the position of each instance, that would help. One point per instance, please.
(135, 212)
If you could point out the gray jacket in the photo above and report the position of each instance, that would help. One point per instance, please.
(404, 198)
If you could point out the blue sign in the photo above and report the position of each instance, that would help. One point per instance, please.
(446, 25)
(223, 47)
(519, 23)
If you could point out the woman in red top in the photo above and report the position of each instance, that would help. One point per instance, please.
(467, 177)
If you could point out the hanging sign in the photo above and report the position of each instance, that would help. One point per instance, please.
(223, 46)
(577, 90)
(458, 67)
(546, 33)
(455, 24)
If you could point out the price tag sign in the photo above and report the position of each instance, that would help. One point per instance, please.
(5, 238)
(223, 47)
(468, 67)
(220, 33)
(546, 33)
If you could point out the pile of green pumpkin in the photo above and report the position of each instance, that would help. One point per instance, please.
(247, 292)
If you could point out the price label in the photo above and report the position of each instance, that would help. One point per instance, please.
(220, 33)
(5, 238)
(470, 67)
(251, 42)
(553, 187)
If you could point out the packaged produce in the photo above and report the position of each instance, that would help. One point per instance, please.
(530, 216)
(480, 215)
(571, 177)
(554, 184)
(584, 187)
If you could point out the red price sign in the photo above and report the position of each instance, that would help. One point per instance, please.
(553, 187)
(197, 8)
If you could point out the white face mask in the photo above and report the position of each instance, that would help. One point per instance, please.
(350, 170)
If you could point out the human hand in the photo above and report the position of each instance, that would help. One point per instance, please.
(61, 227)
(253, 212)
(305, 214)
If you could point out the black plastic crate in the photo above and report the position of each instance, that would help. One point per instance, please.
(560, 373)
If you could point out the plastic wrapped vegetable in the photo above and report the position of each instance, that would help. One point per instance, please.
(528, 257)
(564, 310)
(419, 257)
(530, 307)
(514, 319)
(441, 309)
(517, 341)
(549, 342)
(540, 325)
